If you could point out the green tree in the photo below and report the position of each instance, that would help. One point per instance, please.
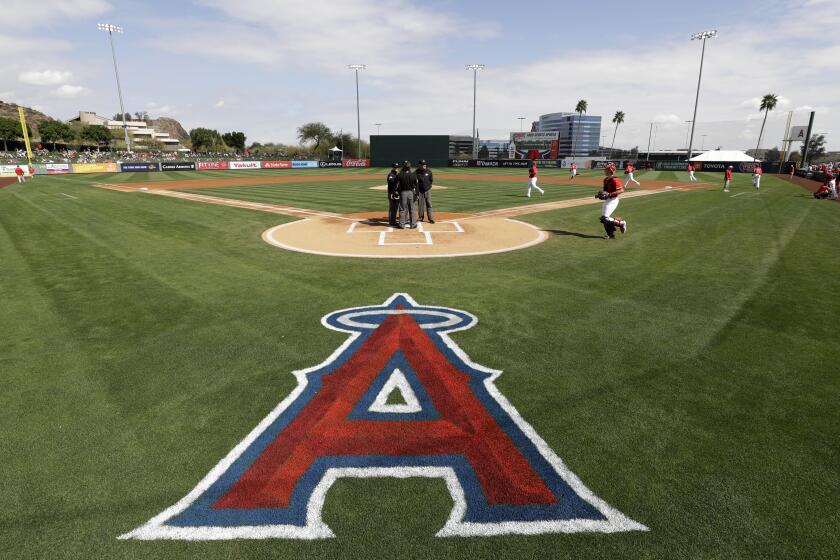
(234, 140)
(773, 154)
(314, 132)
(483, 152)
(580, 109)
(55, 131)
(205, 139)
(768, 103)
(617, 120)
(816, 147)
(9, 130)
(95, 134)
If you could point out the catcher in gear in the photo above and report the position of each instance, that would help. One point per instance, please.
(609, 194)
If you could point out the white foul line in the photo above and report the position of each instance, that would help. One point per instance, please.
(67, 195)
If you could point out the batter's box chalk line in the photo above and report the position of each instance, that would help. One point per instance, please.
(421, 229)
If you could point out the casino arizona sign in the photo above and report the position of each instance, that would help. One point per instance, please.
(452, 423)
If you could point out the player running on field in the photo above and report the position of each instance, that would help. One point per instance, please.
(691, 177)
(757, 176)
(610, 193)
(573, 170)
(532, 179)
(628, 170)
(727, 178)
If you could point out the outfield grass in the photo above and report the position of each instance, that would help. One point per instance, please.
(686, 372)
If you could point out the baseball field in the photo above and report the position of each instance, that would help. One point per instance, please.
(679, 384)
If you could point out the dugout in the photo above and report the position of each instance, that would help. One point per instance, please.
(386, 149)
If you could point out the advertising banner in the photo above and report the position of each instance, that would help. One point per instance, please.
(139, 167)
(356, 163)
(211, 165)
(534, 145)
(178, 166)
(304, 164)
(486, 163)
(547, 162)
(9, 170)
(52, 168)
(459, 163)
(95, 168)
(329, 164)
(671, 166)
(277, 164)
(244, 164)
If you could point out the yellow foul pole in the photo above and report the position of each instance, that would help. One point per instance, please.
(25, 135)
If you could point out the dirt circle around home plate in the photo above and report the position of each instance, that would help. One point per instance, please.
(368, 235)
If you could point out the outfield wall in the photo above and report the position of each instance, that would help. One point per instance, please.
(8, 170)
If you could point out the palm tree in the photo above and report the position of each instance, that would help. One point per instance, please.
(617, 120)
(768, 103)
(580, 109)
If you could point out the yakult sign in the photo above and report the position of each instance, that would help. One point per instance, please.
(244, 164)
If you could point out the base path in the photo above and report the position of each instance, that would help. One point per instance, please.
(368, 235)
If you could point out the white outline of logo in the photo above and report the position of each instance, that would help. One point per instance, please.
(315, 528)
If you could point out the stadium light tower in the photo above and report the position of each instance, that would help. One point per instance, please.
(377, 125)
(521, 122)
(358, 67)
(475, 68)
(703, 35)
(111, 29)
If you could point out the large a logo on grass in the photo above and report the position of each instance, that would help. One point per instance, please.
(397, 399)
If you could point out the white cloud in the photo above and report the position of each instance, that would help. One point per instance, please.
(220, 103)
(44, 77)
(7, 94)
(667, 119)
(70, 92)
(49, 11)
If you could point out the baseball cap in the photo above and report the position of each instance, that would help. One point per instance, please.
(395, 164)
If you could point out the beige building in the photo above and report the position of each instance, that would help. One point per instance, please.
(139, 131)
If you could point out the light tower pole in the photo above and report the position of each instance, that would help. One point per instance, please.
(111, 29)
(475, 68)
(358, 67)
(377, 127)
(521, 122)
(703, 35)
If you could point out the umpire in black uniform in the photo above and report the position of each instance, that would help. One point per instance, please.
(393, 196)
(407, 187)
(424, 190)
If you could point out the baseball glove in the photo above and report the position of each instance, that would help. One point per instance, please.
(602, 195)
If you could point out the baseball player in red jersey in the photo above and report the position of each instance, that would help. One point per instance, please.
(573, 169)
(691, 177)
(727, 178)
(19, 172)
(532, 179)
(757, 176)
(610, 193)
(831, 181)
(628, 170)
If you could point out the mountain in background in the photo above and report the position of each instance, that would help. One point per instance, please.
(33, 117)
(170, 126)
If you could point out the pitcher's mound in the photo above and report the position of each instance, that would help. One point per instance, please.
(368, 235)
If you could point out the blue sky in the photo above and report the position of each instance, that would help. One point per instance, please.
(267, 66)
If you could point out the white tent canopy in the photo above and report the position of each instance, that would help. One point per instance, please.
(723, 155)
(335, 149)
